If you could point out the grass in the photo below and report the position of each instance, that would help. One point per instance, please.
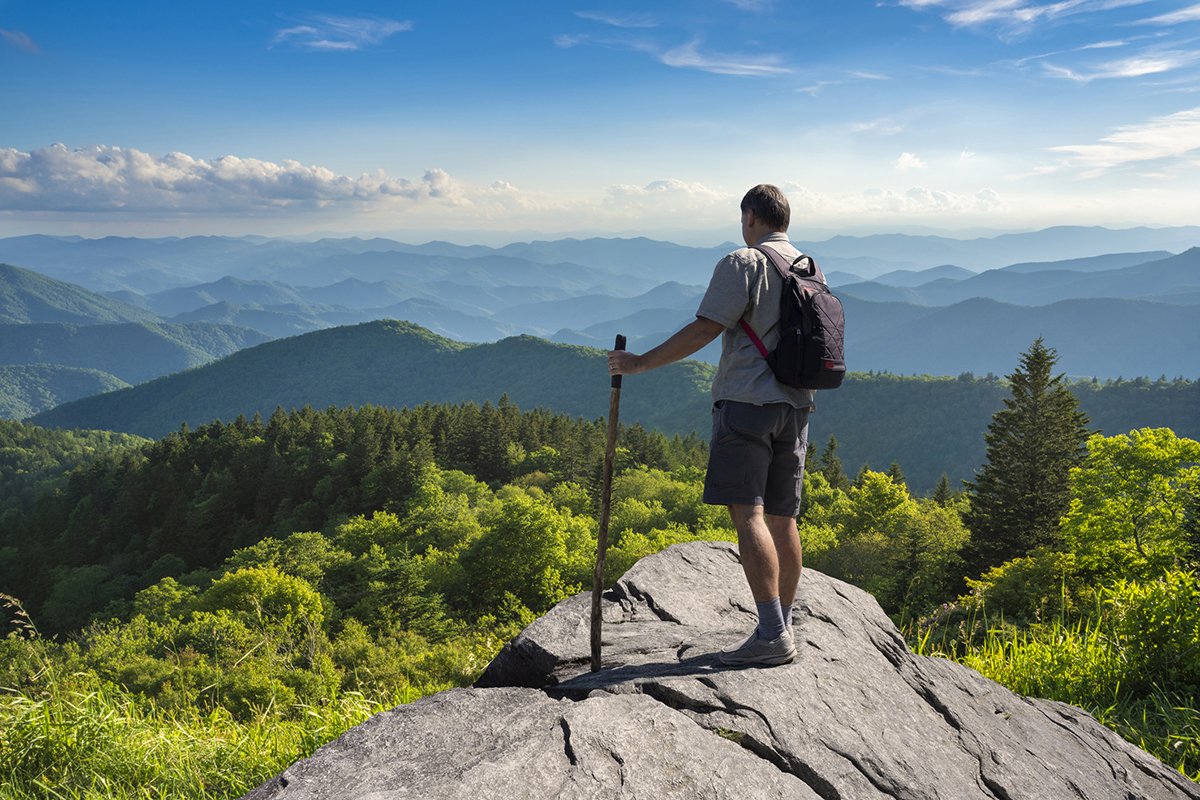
(105, 743)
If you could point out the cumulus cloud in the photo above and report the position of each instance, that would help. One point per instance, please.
(339, 33)
(907, 162)
(665, 198)
(914, 202)
(1175, 136)
(106, 179)
(19, 40)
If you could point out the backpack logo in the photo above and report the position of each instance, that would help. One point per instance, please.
(812, 325)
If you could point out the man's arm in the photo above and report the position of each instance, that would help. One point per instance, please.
(681, 344)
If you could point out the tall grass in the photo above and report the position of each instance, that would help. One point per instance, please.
(106, 743)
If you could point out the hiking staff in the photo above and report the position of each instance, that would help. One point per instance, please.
(610, 450)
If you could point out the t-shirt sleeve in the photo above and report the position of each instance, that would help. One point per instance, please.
(728, 295)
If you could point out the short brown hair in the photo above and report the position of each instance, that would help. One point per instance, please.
(768, 205)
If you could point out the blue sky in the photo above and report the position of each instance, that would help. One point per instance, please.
(158, 118)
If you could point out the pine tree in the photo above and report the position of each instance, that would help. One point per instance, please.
(942, 493)
(1021, 492)
(896, 474)
(830, 466)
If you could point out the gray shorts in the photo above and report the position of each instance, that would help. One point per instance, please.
(757, 456)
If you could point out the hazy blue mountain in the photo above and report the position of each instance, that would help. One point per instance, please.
(1093, 264)
(909, 277)
(228, 289)
(273, 323)
(882, 293)
(1050, 244)
(842, 278)
(133, 352)
(1100, 337)
(445, 321)
(355, 293)
(1040, 284)
(27, 296)
(26, 389)
(586, 310)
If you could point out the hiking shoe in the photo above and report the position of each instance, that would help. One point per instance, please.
(761, 652)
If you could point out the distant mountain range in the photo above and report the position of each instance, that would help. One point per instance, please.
(185, 302)
(927, 425)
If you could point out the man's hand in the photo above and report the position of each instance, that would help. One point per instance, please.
(623, 362)
(683, 343)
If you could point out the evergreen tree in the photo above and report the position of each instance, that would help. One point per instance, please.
(896, 474)
(1021, 492)
(830, 466)
(942, 493)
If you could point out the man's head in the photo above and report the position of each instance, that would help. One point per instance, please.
(764, 210)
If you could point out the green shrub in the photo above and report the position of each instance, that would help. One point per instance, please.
(1156, 628)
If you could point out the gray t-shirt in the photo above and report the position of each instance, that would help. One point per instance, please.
(745, 284)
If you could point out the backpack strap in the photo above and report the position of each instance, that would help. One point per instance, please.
(811, 272)
(762, 348)
(777, 260)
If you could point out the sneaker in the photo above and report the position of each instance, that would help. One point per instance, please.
(760, 651)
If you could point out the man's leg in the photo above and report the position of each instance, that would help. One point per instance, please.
(789, 557)
(757, 546)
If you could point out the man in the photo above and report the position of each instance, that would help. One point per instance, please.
(760, 426)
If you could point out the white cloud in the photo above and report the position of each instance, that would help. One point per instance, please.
(1189, 14)
(339, 33)
(752, 5)
(688, 56)
(19, 40)
(1175, 136)
(567, 40)
(907, 162)
(620, 21)
(1151, 62)
(1013, 14)
(881, 127)
(665, 198)
(109, 179)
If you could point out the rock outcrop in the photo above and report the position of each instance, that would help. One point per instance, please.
(856, 715)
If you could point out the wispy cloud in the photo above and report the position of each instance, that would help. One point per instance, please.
(1147, 63)
(112, 179)
(883, 126)
(1174, 136)
(620, 20)
(1189, 14)
(1013, 14)
(752, 5)
(19, 40)
(689, 56)
(333, 33)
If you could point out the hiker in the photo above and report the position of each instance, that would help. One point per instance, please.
(760, 426)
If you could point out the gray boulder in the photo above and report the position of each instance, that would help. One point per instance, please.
(856, 715)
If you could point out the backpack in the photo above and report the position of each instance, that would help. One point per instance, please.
(811, 349)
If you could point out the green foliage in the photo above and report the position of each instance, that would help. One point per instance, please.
(1129, 501)
(1021, 491)
(904, 551)
(1040, 586)
(1156, 630)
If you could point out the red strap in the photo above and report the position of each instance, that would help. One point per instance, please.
(762, 350)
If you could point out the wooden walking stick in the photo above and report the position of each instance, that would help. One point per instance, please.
(610, 451)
